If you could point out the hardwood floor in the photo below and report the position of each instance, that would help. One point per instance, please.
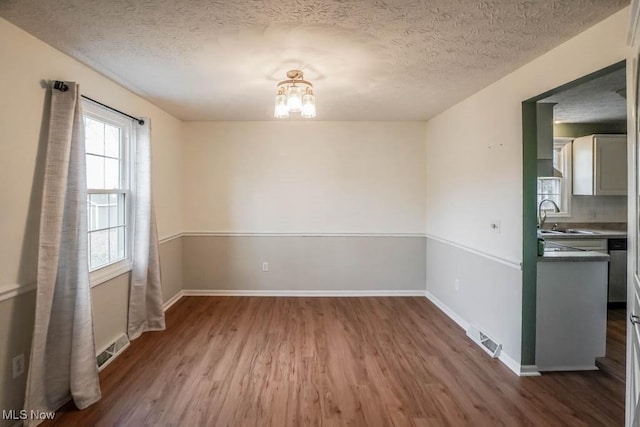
(248, 361)
(614, 362)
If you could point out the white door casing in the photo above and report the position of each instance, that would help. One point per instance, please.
(633, 262)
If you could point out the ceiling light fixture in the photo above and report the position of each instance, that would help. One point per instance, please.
(295, 95)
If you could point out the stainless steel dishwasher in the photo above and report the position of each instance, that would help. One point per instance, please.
(617, 270)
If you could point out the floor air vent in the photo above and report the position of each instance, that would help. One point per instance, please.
(487, 343)
(112, 351)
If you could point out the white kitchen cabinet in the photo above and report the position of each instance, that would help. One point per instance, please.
(600, 165)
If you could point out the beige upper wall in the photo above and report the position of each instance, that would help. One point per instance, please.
(315, 177)
(474, 162)
(26, 63)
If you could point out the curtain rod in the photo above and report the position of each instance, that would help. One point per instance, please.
(62, 86)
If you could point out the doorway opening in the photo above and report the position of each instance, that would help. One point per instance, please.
(559, 210)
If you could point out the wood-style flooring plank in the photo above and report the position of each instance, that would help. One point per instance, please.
(249, 361)
(614, 363)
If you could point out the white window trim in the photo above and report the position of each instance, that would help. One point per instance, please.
(565, 145)
(110, 271)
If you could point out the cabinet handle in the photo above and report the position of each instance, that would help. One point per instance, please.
(634, 319)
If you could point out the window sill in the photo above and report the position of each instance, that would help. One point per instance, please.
(559, 215)
(106, 273)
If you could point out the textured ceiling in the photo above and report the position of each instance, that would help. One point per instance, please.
(595, 101)
(368, 60)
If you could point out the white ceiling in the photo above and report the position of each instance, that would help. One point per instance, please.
(596, 101)
(368, 60)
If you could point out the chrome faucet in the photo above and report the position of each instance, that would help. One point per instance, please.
(542, 216)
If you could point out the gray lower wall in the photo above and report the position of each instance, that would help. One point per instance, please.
(110, 305)
(171, 268)
(111, 299)
(298, 263)
(110, 302)
(489, 295)
(16, 327)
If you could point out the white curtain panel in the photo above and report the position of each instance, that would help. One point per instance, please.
(146, 312)
(63, 358)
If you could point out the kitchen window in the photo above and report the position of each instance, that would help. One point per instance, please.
(108, 142)
(556, 188)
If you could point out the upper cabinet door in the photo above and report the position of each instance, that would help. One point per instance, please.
(600, 165)
(610, 156)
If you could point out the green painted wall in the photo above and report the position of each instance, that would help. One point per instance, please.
(529, 237)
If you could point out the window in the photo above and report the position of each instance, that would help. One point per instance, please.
(108, 141)
(550, 188)
(557, 189)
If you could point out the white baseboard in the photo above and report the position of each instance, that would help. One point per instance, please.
(569, 368)
(517, 368)
(529, 371)
(296, 293)
(174, 299)
(446, 310)
(509, 361)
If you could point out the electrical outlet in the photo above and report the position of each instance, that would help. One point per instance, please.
(18, 365)
(456, 284)
(265, 266)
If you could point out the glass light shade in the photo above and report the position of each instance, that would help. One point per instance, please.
(294, 99)
(281, 111)
(308, 106)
